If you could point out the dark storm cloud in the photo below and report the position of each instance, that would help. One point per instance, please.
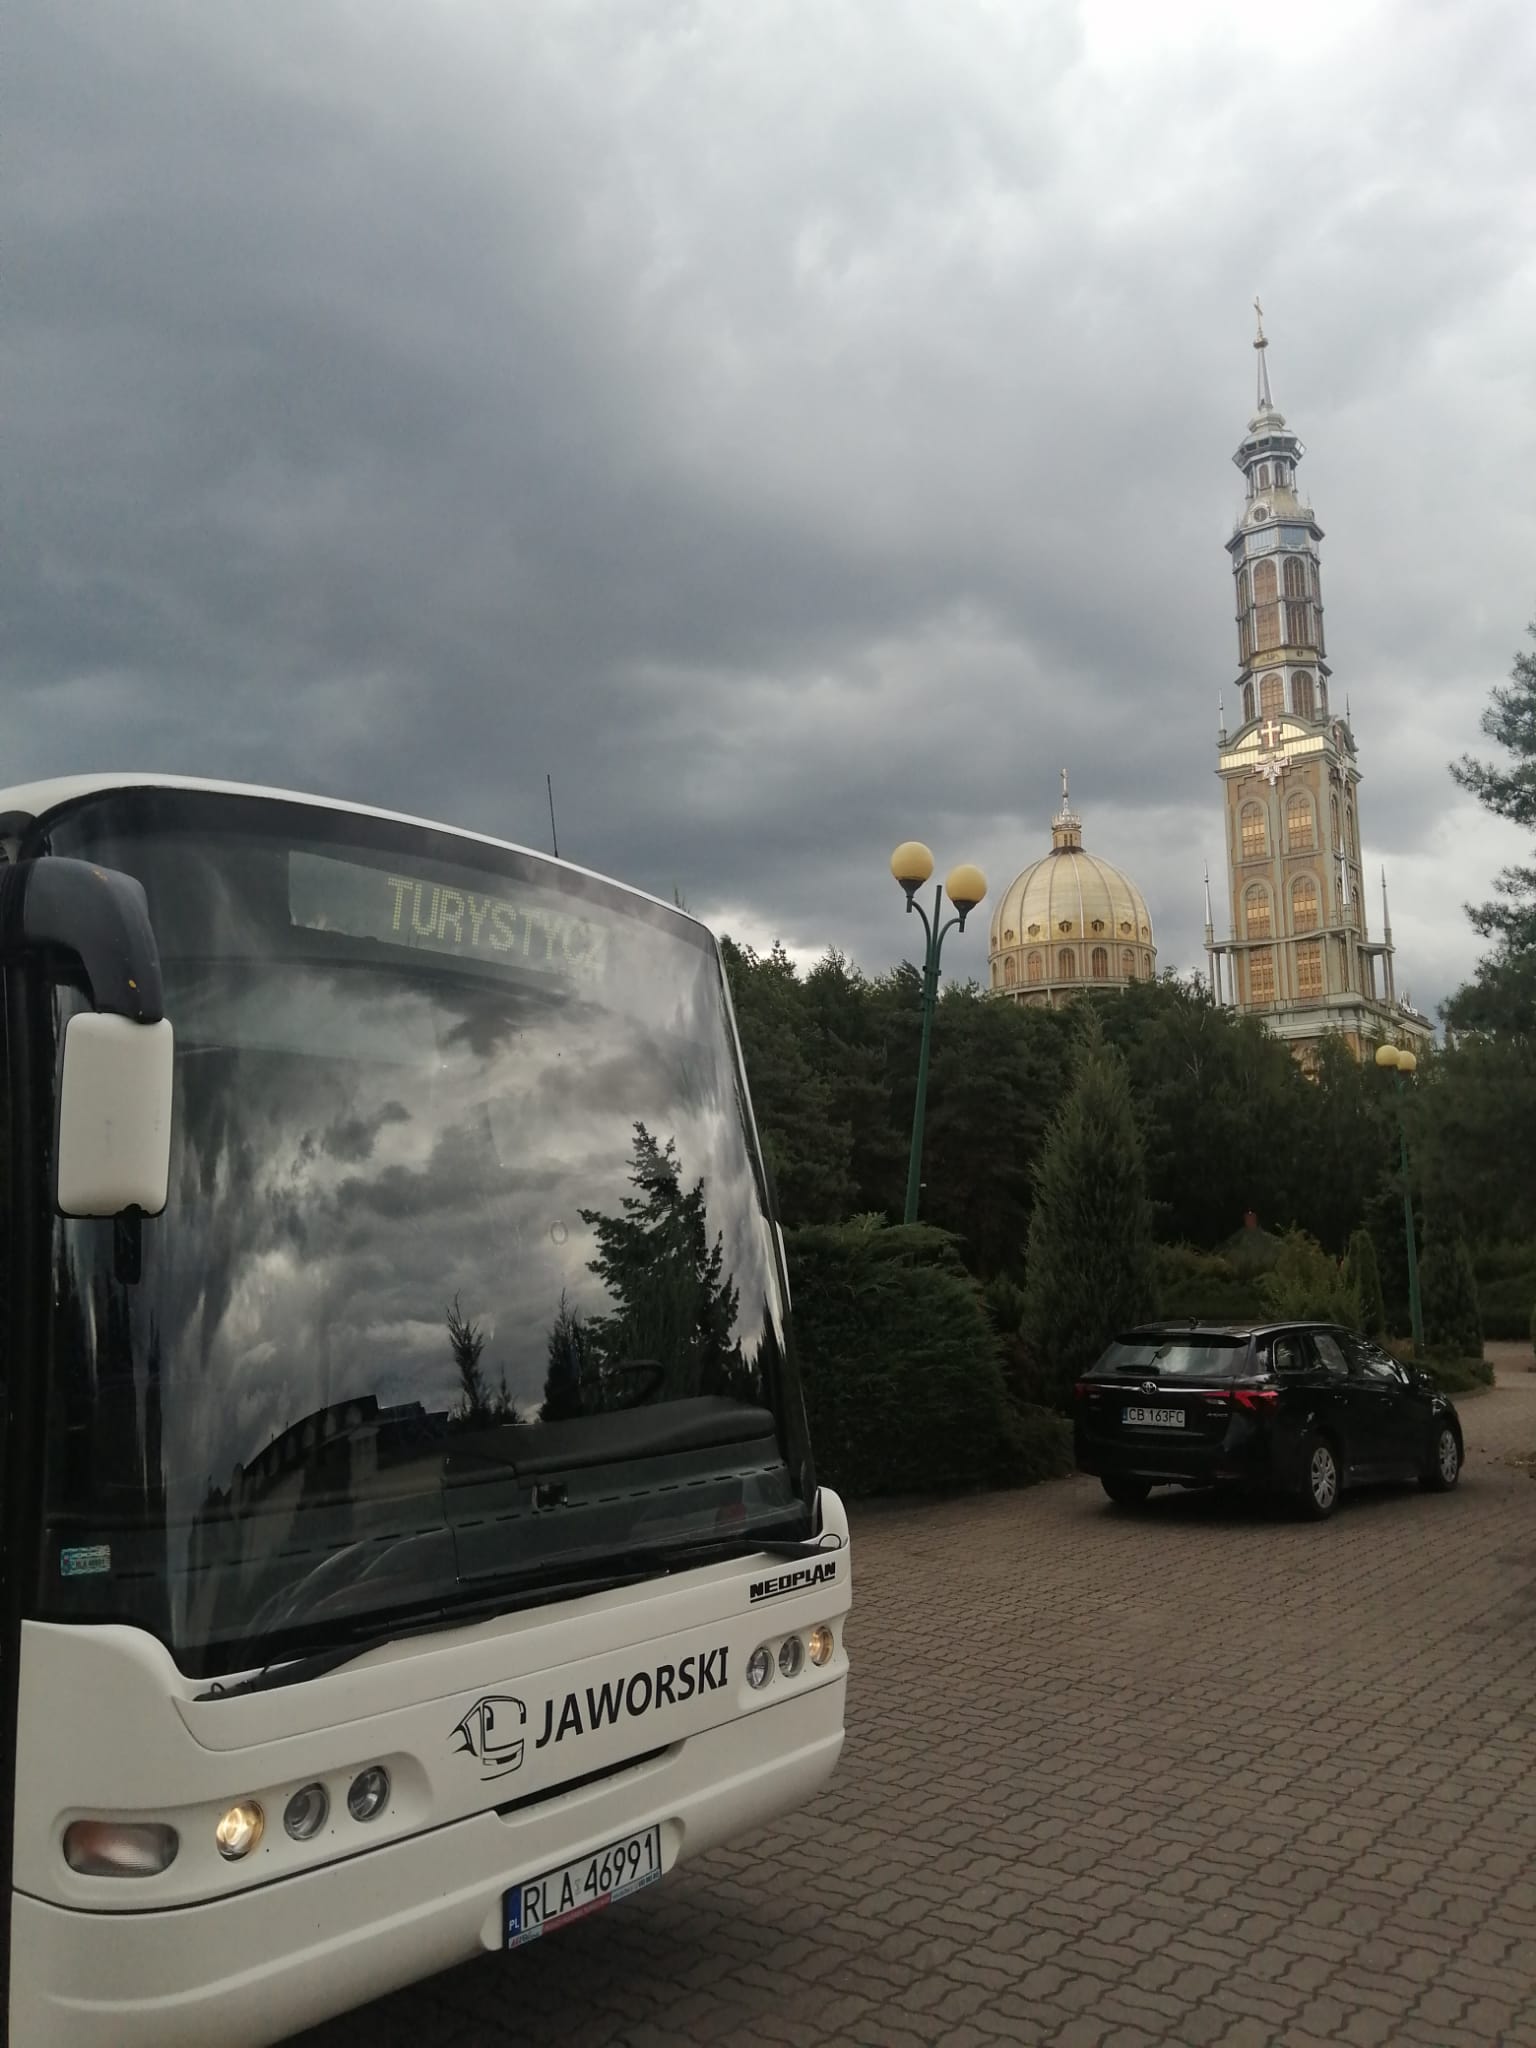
(795, 427)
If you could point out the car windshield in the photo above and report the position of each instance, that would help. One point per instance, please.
(1199, 1356)
(467, 1276)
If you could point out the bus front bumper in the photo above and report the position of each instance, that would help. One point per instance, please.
(253, 1968)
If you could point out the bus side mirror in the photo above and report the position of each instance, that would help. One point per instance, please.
(113, 1149)
(112, 1142)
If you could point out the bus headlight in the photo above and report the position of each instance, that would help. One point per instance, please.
(240, 1829)
(791, 1656)
(760, 1667)
(368, 1792)
(305, 1813)
(120, 1848)
(821, 1644)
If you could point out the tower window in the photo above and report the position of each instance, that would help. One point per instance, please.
(1301, 694)
(1333, 806)
(1261, 975)
(1256, 918)
(1298, 610)
(1099, 967)
(1010, 970)
(1354, 835)
(1309, 969)
(1300, 832)
(1322, 694)
(1128, 964)
(1066, 965)
(1261, 477)
(1304, 904)
(1271, 696)
(1255, 829)
(1036, 967)
(1266, 607)
(1248, 703)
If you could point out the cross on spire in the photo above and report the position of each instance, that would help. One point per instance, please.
(1261, 344)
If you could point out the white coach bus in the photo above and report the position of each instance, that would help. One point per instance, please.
(411, 1537)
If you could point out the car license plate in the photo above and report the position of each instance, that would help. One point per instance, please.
(1155, 1418)
(582, 1887)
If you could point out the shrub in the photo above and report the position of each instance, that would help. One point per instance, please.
(1365, 1276)
(1452, 1324)
(1203, 1285)
(903, 1383)
(1458, 1375)
(1307, 1283)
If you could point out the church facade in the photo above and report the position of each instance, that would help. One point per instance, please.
(1300, 954)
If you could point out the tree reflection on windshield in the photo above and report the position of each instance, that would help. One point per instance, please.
(674, 1305)
(425, 1208)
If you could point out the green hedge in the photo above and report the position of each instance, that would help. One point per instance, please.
(1458, 1375)
(1506, 1288)
(903, 1382)
(1508, 1306)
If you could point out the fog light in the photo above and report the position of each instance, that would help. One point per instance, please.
(368, 1792)
(821, 1644)
(791, 1656)
(120, 1848)
(759, 1667)
(240, 1829)
(305, 1813)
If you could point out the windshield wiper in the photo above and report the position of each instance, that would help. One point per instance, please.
(316, 1663)
(633, 1567)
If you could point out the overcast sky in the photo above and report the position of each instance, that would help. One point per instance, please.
(794, 426)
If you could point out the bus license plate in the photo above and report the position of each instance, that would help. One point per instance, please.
(1155, 1418)
(582, 1887)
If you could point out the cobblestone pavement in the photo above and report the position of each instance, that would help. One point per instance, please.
(1182, 1776)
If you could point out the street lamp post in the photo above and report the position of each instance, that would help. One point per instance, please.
(965, 886)
(1405, 1064)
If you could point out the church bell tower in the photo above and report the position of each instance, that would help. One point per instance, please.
(1300, 954)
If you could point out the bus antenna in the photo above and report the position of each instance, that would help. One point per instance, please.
(549, 784)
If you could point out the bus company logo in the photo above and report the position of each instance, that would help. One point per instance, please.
(795, 1582)
(490, 1733)
(600, 1706)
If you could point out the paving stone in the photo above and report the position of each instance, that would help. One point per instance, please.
(1201, 1779)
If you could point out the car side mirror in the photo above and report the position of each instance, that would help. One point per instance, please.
(113, 1149)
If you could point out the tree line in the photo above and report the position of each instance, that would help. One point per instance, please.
(1157, 1106)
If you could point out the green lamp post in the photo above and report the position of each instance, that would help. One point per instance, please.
(965, 886)
(1390, 1057)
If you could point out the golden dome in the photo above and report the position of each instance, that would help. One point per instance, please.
(1070, 919)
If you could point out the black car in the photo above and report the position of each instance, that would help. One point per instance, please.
(1303, 1409)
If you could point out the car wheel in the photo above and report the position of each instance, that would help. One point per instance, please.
(1126, 1493)
(1444, 1467)
(1321, 1480)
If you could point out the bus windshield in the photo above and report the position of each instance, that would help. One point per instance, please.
(466, 1285)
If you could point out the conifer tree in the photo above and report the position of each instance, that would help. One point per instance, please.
(467, 1342)
(571, 1382)
(1365, 1276)
(1452, 1319)
(1503, 997)
(673, 1301)
(1088, 1270)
